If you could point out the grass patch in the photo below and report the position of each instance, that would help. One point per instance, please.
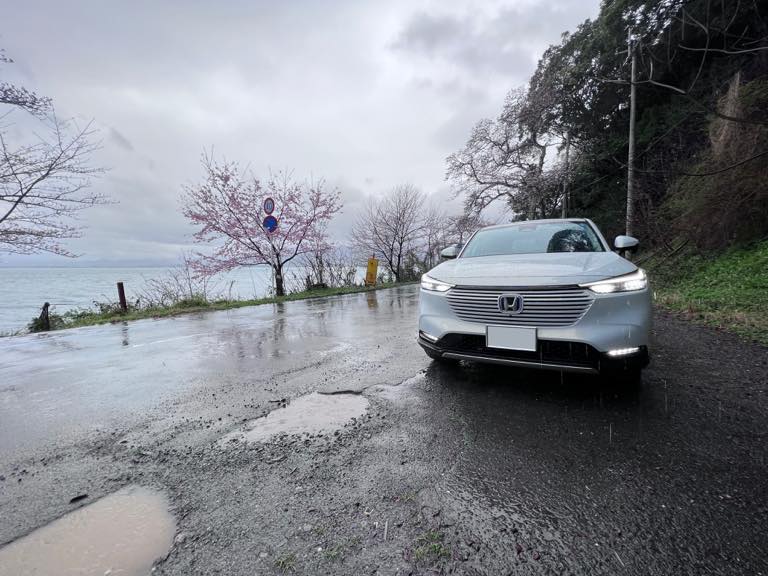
(286, 562)
(109, 314)
(430, 547)
(334, 553)
(728, 290)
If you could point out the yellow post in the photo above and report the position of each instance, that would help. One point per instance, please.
(370, 273)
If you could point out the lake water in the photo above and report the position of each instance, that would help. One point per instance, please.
(24, 290)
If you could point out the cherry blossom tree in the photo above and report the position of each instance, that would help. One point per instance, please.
(44, 173)
(227, 206)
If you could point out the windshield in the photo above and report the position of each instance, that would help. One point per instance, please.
(534, 238)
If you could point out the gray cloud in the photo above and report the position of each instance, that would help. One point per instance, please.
(502, 39)
(120, 140)
(478, 50)
(366, 95)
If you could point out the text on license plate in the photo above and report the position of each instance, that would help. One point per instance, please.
(510, 338)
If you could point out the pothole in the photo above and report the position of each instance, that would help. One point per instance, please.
(123, 533)
(310, 414)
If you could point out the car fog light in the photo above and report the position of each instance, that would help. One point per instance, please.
(623, 351)
(428, 336)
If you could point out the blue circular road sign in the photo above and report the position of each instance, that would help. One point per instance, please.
(269, 205)
(270, 224)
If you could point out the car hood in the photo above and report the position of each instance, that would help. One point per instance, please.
(549, 269)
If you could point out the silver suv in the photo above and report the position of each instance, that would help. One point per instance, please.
(541, 293)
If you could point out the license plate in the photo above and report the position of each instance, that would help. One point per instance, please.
(510, 338)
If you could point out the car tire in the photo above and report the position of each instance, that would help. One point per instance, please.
(629, 379)
(632, 379)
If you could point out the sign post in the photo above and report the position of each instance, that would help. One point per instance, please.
(370, 273)
(269, 222)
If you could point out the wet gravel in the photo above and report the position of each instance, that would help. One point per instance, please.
(461, 470)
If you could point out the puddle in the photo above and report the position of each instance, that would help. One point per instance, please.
(308, 414)
(123, 533)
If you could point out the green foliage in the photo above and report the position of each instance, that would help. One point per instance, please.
(334, 553)
(754, 97)
(728, 206)
(728, 291)
(430, 547)
(196, 301)
(286, 562)
(697, 61)
(56, 323)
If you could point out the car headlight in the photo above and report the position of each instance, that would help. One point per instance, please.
(627, 283)
(429, 283)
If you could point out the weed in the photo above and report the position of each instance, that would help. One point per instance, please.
(728, 291)
(286, 562)
(430, 547)
(409, 496)
(335, 552)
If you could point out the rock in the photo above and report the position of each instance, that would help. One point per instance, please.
(180, 538)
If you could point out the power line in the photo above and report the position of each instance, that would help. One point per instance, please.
(710, 173)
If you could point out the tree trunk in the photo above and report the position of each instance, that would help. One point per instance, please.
(279, 287)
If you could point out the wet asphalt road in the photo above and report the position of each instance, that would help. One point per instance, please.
(466, 470)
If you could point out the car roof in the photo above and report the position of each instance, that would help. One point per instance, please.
(542, 221)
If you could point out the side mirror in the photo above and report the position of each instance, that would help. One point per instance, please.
(451, 251)
(625, 244)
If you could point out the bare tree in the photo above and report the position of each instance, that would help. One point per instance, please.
(435, 235)
(391, 227)
(178, 285)
(19, 96)
(460, 228)
(43, 179)
(43, 185)
(673, 31)
(328, 267)
(504, 160)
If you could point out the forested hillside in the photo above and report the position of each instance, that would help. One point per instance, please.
(560, 144)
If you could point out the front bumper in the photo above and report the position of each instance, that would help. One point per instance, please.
(550, 355)
(613, 321)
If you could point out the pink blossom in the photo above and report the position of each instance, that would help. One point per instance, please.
(227, 208)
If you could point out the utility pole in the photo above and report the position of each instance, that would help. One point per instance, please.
(567, 177)
(631, 153)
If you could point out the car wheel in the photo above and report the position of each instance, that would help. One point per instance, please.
(629, 379)
(632, 379)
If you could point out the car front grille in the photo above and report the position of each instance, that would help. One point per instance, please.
(542, 307)
(547, 351)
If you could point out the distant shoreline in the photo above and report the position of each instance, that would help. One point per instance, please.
(78, 319)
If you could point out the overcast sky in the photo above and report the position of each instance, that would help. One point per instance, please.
(364, 94)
